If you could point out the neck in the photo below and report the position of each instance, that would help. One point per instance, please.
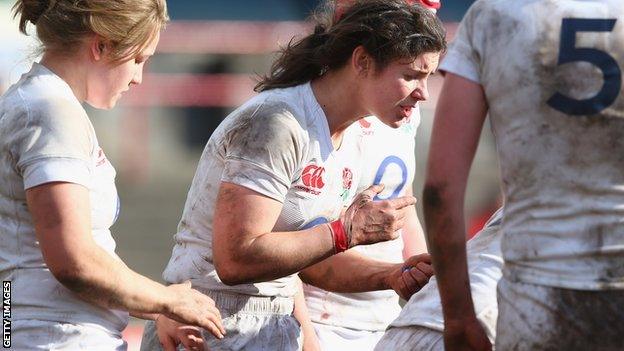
(336, 93)
(71, 70)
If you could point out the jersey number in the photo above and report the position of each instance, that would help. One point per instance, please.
(382, 170)
(611, 72)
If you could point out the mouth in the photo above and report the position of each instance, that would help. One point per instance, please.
(407, 110)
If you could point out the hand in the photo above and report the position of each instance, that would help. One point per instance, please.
(411, 276)
(191, 307)
(465, 335)
(172, 333)
(368, 222)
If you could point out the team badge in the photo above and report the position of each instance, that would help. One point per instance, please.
(312, 179)
(347, 181)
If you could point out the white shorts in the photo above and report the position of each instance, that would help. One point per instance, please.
(45, 335)
(333, 338)
(534, 317)
(415, 338)
(251, 324)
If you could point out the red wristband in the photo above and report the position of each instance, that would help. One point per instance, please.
(341, 242)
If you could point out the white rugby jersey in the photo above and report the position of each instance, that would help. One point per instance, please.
(46, 136)
(388, 158)
(552, 75)
(277, 144)
(484, 269)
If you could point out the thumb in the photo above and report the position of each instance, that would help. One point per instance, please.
(187, 284)
(376, 188)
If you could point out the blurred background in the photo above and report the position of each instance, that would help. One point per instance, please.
(205, 66)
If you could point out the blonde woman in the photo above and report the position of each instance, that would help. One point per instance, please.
(57, 190)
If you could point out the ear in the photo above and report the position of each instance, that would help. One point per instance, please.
(97, 47)
(361, 61)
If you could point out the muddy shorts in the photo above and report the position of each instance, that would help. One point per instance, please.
(251, 324)
(411, 338)
(533, 317)
(46, 335)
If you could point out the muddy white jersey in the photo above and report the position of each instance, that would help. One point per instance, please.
(46, 136)
(552, 74)
(388, 158)
(277, 144)
(484, 269)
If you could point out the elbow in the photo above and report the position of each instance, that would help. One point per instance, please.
(434, 195)
(72, 277)
(230, 273)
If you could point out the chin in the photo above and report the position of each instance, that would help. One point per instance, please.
(103, 105)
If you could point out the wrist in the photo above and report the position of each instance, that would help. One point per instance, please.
(339, 236)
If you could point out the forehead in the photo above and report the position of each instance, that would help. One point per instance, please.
(424, 62)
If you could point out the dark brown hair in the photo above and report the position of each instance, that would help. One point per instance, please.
(387, 29)
(128, 25)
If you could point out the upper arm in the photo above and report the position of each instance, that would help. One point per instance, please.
(241, 215)
(459, 118)
(61, 215)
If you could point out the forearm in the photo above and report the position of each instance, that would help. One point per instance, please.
(277, 254)
(101, 279)
(446, 234)
(349, 272)
(302, 315)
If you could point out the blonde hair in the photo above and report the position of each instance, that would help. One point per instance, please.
(127, 25)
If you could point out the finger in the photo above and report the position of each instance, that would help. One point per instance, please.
(193, 342)
(213, 328)
(216, 318)
(414, 260)
(371, 191)
(417, 279)
(425, 268)
(402, 202)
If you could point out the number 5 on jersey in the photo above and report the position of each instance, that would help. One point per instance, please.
(611, 72)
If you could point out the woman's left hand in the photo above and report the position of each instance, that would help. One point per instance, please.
(411, 276)
(172, 333)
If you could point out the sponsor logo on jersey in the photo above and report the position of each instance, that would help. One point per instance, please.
(366, 127)
(312, 178)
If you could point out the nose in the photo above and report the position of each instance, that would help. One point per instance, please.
(421, 93)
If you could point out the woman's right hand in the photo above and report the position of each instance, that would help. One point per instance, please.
(368, 222)
(189, 306)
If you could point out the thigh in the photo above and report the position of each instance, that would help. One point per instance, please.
(414, 338)
(46, 335)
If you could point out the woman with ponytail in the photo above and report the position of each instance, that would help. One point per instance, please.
(57, 192)
(267, 197)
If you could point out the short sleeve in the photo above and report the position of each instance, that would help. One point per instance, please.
(264, 150)
(54, 144)
(463, 58)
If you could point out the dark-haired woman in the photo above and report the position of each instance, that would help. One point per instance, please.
(267, 197)
(57, 191)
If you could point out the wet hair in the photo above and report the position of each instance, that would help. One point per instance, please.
(388, 30)
(127, 25)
